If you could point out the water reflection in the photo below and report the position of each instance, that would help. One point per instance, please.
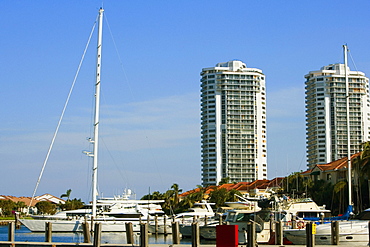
(24, 235)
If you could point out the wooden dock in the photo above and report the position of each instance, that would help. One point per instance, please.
(96, 241)
(56, 244)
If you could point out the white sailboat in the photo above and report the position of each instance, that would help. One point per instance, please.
(351, 232)
(112, 213)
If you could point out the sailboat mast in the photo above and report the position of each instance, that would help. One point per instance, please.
(349, 170)
(96, 118)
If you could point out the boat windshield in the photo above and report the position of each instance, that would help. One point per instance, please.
(244, 217)
(230, 216)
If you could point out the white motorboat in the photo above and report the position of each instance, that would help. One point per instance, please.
(201, 212)
(351, 232)
(243, 213)
(285, 211)
(300, 210)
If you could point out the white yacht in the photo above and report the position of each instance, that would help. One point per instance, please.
(351, 232)
(202, 212)
(113, 213)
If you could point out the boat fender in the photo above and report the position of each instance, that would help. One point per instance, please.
(301, 224)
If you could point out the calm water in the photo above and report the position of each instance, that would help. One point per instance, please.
(24, 234)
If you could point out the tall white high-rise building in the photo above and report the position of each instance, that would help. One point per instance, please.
(326, 119)
(233, 120)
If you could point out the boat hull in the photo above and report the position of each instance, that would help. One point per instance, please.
(161, 229)
(350, 233)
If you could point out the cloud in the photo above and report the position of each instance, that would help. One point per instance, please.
(144, 140)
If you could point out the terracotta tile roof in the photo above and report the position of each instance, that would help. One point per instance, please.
(306, 172)
(276, 182)
(189, 192)
(26, 200)
(256, 183)
(241, 186)
(226, 186)
(337, 164)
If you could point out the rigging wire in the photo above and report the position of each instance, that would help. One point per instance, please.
(349, 52)
(118, 55)
(62, 115)
(133, 98)
(122, 175)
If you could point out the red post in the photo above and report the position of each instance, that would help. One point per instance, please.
(227, 236)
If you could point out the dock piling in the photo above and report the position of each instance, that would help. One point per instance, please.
(335, 233)
(48, 232)
(251, 234)
(16, 219)
(310, 237)
(11, 232)
(195, 235)
(279, 233)
(144, 241)
(97, 235)
(164, 225)
(129, 233)
(86, 232)
(175, 233)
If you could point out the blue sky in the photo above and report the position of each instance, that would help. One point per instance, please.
(153, 52)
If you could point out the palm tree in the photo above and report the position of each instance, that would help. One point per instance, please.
(365, 165)
(156, 195)
(199, 194)
(339, 194)
(67, 194)
(176, 191)
(219, 197)
(20, 205)
(361, 172)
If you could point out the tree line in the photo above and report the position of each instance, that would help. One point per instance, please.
(8, 207)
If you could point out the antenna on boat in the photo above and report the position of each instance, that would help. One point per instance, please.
(349, 170)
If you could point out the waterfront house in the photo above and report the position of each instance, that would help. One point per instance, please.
(30, 205)
(332, 172)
